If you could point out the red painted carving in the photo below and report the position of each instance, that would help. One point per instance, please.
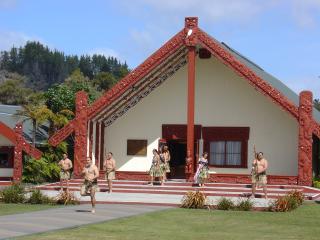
(62, 133)
(15, 136)
(126, 175)
(190, 30)
(80, 144)
(258, 83)
(305, 139)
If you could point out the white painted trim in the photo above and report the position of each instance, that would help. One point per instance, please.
(94, 143)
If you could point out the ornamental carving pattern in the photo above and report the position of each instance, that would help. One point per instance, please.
(142, 70)
(15, 136)
(80, 144)
(190, 30)
(62, 133)
(262, 86)
(305, 139)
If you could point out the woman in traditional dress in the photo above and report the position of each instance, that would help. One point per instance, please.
(167, 158)
(156, 168)
(202, 170)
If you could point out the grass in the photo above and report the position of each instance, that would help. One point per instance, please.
(185, 224)
(12, 208)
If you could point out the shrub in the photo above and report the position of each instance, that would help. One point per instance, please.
(297, 195)
(244, 205)
(67, 198)
(225, 204)
(316, 184)
(37, 197)
(13, 194)
(39, 171)
(193, 200)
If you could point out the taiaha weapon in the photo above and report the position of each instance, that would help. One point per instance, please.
(254, 164)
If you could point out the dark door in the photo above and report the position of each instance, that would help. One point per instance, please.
(178, 149)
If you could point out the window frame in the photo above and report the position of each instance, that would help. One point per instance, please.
(225, 134)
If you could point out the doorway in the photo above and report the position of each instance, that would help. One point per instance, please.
(178, 149)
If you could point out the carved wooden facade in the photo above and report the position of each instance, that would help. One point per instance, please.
(177, 52)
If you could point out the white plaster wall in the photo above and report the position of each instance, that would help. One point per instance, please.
(225, 99)
(165, 105)
(6, 172)
(222, 99)
(5, 142)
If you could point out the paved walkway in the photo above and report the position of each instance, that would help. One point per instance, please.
(59, 218)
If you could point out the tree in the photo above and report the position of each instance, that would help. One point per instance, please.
(12, 90)
(104, 81)
(316, 104)
(38, 114)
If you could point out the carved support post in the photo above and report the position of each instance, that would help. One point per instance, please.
(80, 145)
(305, 139)
(191, 41)
(18, 148)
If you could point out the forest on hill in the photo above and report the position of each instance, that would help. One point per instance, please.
(34, 69)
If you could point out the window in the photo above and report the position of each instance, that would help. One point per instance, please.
(137, 147)
(4, 160)
(225, 153)
(227, 146)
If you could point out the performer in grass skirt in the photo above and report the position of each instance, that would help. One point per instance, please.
(156, 169)
(167, 158)
(202, 170)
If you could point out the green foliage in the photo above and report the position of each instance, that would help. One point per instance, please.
(316, 184)
(39, 171)
(62, 97)
(225, 204)
(67, 198)
(316, 104)
(195, 199)
(12, 89)
(104, 81)
(37, 197)
(45, 67)
(13, 194)
(244, 205)
(288, 202)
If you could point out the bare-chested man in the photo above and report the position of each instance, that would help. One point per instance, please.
(90, 185)
(65, 173)
(259, 176)
(109, 165)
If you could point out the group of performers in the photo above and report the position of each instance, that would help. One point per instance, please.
(90, 174)
(160, 167)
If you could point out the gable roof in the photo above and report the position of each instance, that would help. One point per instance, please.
(168, 59)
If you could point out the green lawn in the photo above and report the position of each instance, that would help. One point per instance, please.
(184, 224)
(10, 208)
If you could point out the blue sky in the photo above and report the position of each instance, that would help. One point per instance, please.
(282, 36)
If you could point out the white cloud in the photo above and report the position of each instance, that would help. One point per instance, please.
(8, 3)
(305, 12)
(108, 52)
(9, 39)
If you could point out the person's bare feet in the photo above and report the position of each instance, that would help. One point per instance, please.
(93, 210)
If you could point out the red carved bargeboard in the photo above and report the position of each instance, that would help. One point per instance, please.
(20, 145)
(305, 139)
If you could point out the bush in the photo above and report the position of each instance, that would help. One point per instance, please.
(193, 200)
(67, 198)
(37, 197)
(289, 202)
(244, 205)
(39, 171)
(13, 194)
(316, 184)
(225, 204)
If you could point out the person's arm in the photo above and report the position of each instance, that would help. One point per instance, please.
(104, 164)
(169, 156)
(114, 164)
(265, 165)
